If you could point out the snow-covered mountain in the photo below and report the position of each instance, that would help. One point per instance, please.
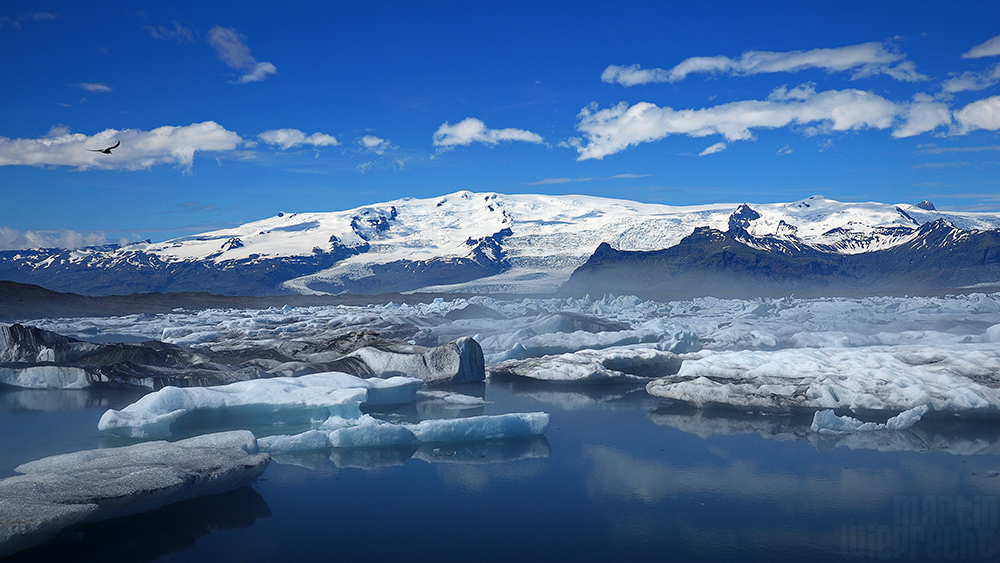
(462, 242)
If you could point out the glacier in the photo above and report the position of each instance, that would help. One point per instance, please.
(464, 242)
(56, 492)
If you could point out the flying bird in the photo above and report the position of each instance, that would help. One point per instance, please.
(107, 150)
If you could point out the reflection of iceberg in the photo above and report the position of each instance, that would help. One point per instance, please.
(469, 453)
(152, 535)
(63, 400)
(59, 491)
(954, 437)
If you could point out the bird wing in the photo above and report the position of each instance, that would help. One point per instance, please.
(118, 144)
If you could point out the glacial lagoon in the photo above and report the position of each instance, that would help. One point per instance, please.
(619, 473)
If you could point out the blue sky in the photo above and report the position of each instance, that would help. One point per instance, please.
(232, 112)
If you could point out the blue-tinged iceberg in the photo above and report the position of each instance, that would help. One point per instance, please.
(368, 432)
(56, 492)
(314, 397)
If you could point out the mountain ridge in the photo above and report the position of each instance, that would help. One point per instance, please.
(463, 242)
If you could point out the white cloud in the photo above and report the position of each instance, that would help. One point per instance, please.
(289, 138)
(967, 81)
(611, 130)
(139, 149)
(373, 144)
(471, 130)
(712, 149)
(866, 59)
(12, 239)
(234, 52)
(94, 87)
(787, 149)
(177, 32)
(921, 116)
(981, 114)
(31, 17)
(634, 75)
(990, 48)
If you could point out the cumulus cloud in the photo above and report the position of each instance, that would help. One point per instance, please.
(990, 48)
(981, 114)
(139, 149)
(290, 138)
(921, 116)
(471, 130)
(230, 46)
(12, 239)
(611, 130)
(95, 87)
(866, 59)
(712, 149)
(373, 144)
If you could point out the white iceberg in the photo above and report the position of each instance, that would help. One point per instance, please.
(59, 491)
(609, 365)
(827, 422)
(949, 379)
(281, 399)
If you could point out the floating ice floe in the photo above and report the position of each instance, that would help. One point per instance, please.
(56, 492)
(827, 422)
(608, 365)
(957, 379)
(369, 432)
(281, 399)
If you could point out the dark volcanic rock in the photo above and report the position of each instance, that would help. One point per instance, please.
(38, 358)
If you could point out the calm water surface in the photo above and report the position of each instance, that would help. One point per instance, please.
(619, 476)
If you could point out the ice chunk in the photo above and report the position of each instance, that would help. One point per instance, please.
(826, 422)
(44, 377)
(613, 364)
(459, 361)
(949, 379)
(368, 432)
(280, 399)
(88, 486)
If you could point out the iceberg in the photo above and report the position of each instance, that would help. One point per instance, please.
(311, 397)
(608, 365)
(369, 432)
(827, 422)
(56, 492)
(961, 379)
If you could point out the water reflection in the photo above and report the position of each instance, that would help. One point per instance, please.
(14, 399)
(152, 535)
(965, 438)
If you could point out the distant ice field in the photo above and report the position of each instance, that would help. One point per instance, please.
(855, 354)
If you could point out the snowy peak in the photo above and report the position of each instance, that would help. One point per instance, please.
(462, 242)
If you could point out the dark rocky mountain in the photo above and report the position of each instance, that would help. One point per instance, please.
(938, 256)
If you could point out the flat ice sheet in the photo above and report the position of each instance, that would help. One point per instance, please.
(955, 379)
(59, 491)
